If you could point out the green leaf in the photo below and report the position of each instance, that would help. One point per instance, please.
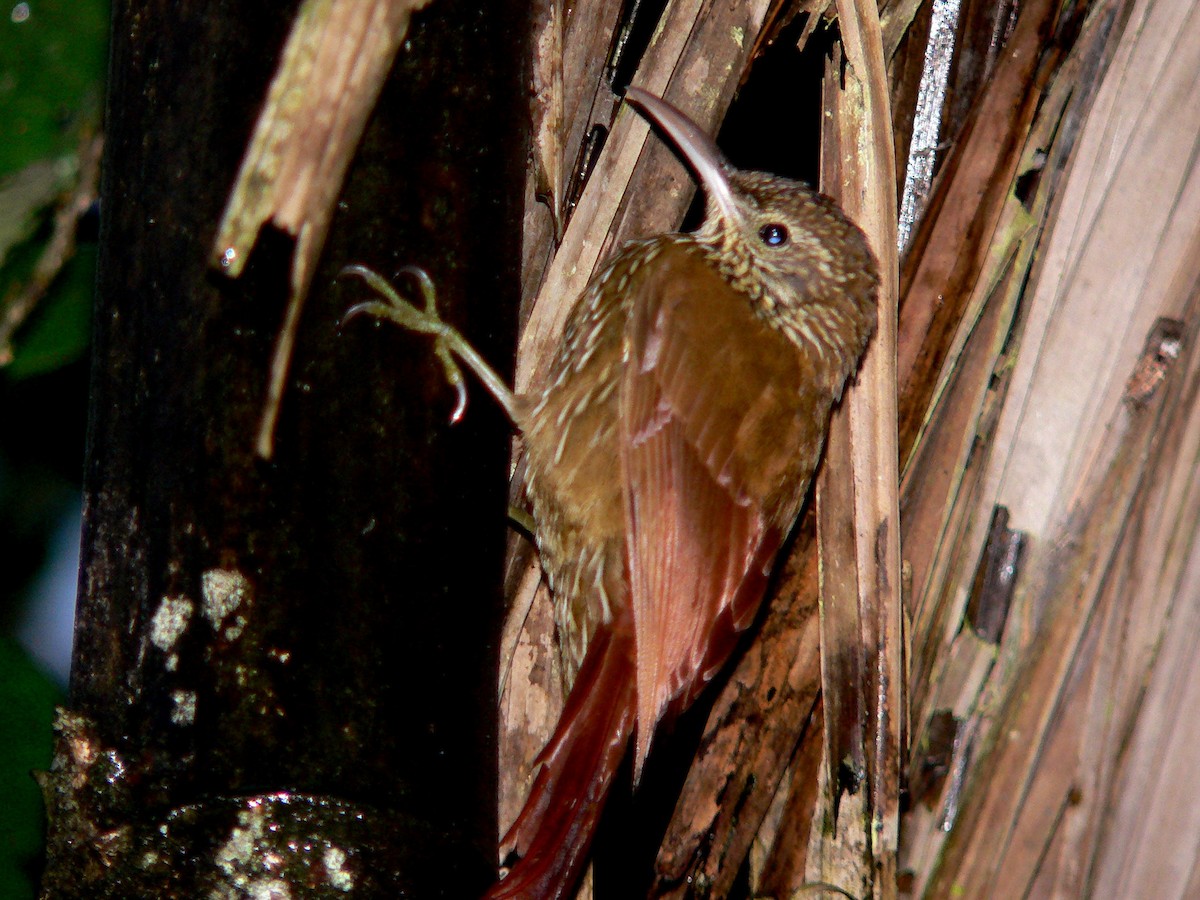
(27, 700)
(59, 330)
(52, 62)
(52, 66)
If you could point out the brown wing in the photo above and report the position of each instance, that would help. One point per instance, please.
(719, 435)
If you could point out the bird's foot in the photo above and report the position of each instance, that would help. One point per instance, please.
(447, 340)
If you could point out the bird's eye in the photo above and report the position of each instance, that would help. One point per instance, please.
(773, 235)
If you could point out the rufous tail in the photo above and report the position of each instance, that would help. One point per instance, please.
(574, 773)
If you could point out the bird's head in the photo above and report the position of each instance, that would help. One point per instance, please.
(803, 264)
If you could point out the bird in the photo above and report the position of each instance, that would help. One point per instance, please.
(669, 451)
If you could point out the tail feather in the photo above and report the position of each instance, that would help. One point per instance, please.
(553, 833)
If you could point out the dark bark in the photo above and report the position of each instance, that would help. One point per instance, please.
(295, 656)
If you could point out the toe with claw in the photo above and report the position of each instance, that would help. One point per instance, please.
(449, 345)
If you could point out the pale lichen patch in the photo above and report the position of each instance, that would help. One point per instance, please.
(243, 863)
(275, 849)
(184, 710)
(170, 621)
(224, 590)
(335, 867)
(235, 629)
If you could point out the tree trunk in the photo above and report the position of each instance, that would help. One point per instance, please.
(284, 674)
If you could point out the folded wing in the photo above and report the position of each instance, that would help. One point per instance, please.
(710, 392)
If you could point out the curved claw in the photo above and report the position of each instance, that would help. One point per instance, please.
(454, 375)
(368, 307)
(425, 283)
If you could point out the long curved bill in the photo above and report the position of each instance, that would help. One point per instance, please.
(698, 150)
